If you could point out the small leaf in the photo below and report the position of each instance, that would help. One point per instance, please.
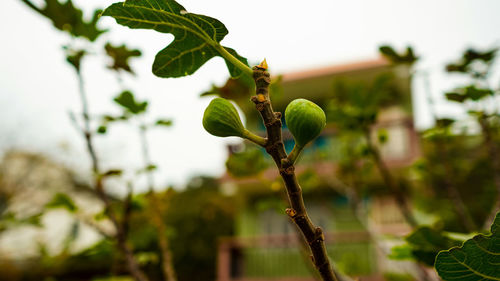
(477, 259)
(444, 122)
(120, 56)
(111, 173)
(61, 200)
(383, 136)
(109, 118)
(164, 122)
(66, 17)
(74, 57)
(127, 100)
(455, 97)
(426, 242)
(102, 129)
(148, 168)
(406, 58)
(196, 36)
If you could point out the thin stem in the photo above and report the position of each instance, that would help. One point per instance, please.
(400, 197)
(232, 59)
(292, 157)
(254, 138)
(132, 264)
(145, 155)
(166, 255)
(297, 212)
(32, 6)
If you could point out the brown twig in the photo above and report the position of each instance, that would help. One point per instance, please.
(166, 255)
(274, 147)
(388, 179)
(120, 236)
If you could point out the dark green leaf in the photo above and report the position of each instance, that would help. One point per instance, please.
(388, 52)
(120, 56)
(476, 94)
(477, 259)
(426, 243)
(148, 168)
(469, 93)
(102, 129)
(66, 17)
(444, 122)
(111, 173)
(127, 100)
(423, 245)
(456, 97)
(109, 118)
(74, 57)
(151, 167)
(164, 122)
(406, 58)
(196, 40)
(486, 56)
(61, 200)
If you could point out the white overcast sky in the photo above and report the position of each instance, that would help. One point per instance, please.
(37, 87)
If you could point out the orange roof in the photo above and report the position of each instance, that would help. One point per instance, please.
(335, 69)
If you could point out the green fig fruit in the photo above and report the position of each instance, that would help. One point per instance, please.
(305, 120)
(221, 119)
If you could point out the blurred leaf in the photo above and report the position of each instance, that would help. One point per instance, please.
(127, 100)
(383, 136)
(120, 56)
(109, 118)
(74, 57)
(164, 122)
(470, 92)
(424, 244)
(233, 89)
(100, 216)
(102, 129)
(196, 40)
(466, 63)
(148, 168)
(66, 17)
(247, 163)
(444, 122)
(61, 200)
(486, 56)
(477, 259)
(401, 252)
(456, 97)
(110, 173)
(389, 53)
(144, 258)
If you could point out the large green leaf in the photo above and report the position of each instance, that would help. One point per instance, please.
(477, 259)
(196, 40)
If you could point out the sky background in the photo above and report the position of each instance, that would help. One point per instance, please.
(38, 88)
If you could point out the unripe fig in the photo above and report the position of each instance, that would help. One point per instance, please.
(305, 120)
(221, 119)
